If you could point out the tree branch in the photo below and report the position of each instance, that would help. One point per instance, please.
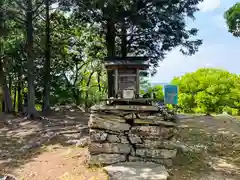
(21, 5)
(90, 78)
(41, 3)
(37, 13)
(67, 80)
(19, 20)
(13, 14)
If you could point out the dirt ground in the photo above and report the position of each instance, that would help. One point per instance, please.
(24, 154)
(210, 149)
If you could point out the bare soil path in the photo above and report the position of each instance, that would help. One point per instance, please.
(210, 149)
(34, 150)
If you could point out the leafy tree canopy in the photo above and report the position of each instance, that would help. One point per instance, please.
(153, 28)
(232, 17)
(208, 90)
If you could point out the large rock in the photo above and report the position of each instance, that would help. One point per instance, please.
(136, 171)
(106, 159)
(97, 135)
(98, 123)
(157, 144)
(156, 153)
(154, 131)
(117, 148)
(111, 117)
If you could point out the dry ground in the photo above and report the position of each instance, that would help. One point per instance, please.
(51, 159)
(210, 149)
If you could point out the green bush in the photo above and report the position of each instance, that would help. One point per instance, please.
(235, 112)
(199, 110)
(228, 110)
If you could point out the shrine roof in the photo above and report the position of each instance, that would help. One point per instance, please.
(133, 62)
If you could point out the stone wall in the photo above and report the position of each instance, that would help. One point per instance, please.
(130, 133)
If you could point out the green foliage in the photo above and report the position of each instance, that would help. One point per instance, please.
(209, 90)
(79, 43)
(153, 28)
(148, 90)
(185, 100)
(77, 52)
(157, 90)
(232, 16)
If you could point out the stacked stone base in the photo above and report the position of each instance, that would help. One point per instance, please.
(127, 133)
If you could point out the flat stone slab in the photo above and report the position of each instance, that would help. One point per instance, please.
(136, 171)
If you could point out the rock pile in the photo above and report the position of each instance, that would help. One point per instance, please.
(67, 108)
(130, 133)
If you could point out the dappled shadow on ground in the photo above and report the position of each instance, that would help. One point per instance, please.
(210, 149)
(23, 140)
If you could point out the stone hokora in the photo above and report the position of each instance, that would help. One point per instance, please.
(99, 123)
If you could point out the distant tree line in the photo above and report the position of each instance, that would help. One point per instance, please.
(208, 90)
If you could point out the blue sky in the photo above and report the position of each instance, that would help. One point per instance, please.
(219, 50)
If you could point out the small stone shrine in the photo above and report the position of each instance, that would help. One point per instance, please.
(129, 128)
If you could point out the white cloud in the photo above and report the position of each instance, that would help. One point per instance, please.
(209, 5)
(215, 56)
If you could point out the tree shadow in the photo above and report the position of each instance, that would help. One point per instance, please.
(211, 150)
(24, 140)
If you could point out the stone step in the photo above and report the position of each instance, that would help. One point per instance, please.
(136, 171)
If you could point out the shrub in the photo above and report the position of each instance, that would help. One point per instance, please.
(235, 112)
(228, 110)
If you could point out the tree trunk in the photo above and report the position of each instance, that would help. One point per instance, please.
(2, 20)
(7, 99)
(10, 84)
(46, 97)
(20, 100)
(3, 106)
(87, 94)
(2, 28)
(111, 46)
(77, 98)
(1, 83)
(99, 81)
(110, 38)
(32, 112)
(15, 98)
(4, 91)
(123, 40)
